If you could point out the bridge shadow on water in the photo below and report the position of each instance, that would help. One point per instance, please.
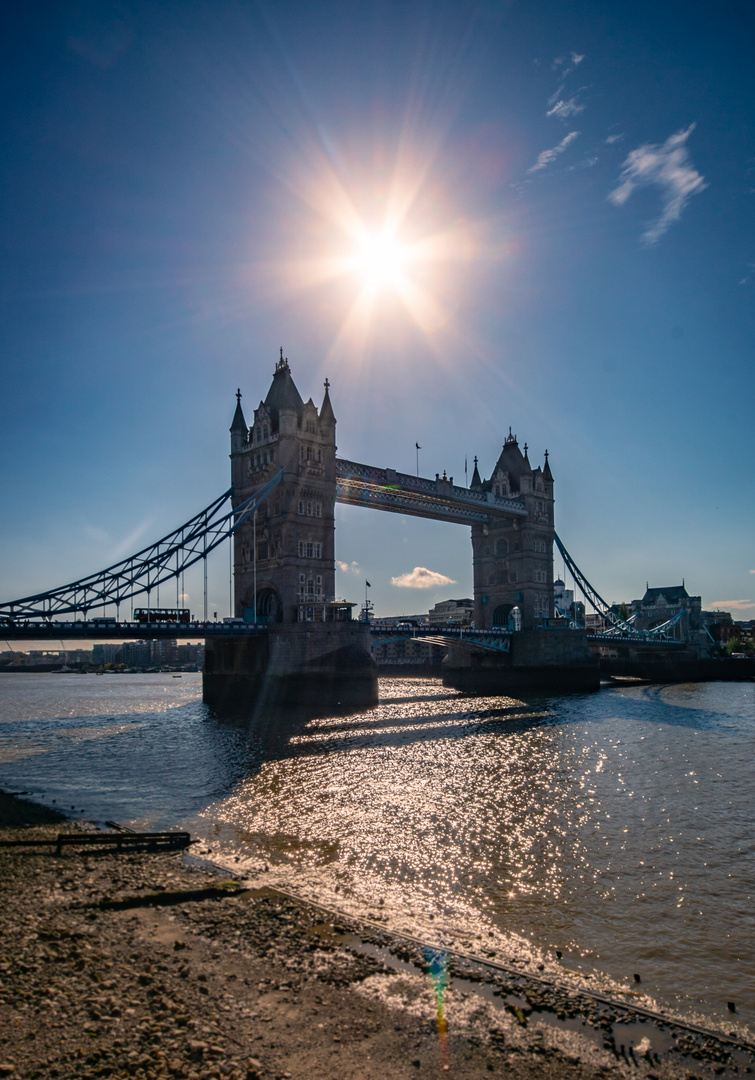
(274, 732)
(279, 733)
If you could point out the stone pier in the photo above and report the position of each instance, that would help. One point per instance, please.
(324, 665)
(540, 661)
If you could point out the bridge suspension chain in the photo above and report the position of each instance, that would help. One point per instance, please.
(164, 560)
(618, 626)
(591, 594)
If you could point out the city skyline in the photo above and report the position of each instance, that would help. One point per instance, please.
(466, 220)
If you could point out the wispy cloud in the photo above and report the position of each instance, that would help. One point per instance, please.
(734, 605)
(613, 139)
(568, 63)
(348, 568)
(421, 578)
(666, 167)
(547, 156)
(563, 109)
(585, 163)
(752, 571)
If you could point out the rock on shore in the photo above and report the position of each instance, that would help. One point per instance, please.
(139, 965)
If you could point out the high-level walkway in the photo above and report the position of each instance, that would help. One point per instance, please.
(401, 493)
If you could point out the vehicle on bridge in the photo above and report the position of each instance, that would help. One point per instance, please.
(162, 615)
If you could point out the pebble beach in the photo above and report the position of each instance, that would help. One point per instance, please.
(152, 964)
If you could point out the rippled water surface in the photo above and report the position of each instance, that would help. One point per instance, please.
(617, 827)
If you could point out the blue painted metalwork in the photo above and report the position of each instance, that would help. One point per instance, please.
(619, 628)
(162, 561)
(486, 640)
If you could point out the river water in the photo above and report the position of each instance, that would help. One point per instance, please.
(616, 827)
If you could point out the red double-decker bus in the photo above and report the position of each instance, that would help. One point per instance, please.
(162, 615)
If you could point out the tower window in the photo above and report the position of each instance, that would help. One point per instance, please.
(310, 549)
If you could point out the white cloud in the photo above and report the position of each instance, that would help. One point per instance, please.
(667, 167)
(563, 109)
(573, 61)
(547, 156)
(421, 578)
(752, 571)
(734, 605)
(614, 138)
(348, 568)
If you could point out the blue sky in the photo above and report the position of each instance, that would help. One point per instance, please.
(567, 202)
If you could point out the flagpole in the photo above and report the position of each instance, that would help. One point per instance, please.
(418, 448)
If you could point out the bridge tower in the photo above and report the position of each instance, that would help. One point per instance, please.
(284, 563)
(513, 560)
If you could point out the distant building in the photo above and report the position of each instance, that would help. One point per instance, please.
(565, 606)
(452, 613)
(106, 653)
(662, 603)
(563, 598)
(136, 653)
(190, 655)
(163, 652)
(388, 621)
(720, 626)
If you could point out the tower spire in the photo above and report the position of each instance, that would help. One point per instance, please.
(239, 429)
(326, 409)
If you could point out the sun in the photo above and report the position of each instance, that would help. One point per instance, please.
(380, 259)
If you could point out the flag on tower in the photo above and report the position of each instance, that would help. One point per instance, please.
(368, 584)
(418, 446)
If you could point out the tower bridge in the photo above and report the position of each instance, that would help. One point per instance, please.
(285, 482)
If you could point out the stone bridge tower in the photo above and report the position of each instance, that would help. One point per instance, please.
(284, 564)
(513, 560)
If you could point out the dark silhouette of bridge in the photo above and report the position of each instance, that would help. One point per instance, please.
(279, 516)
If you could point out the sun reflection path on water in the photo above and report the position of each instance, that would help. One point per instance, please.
(587, 826)
(402, 803)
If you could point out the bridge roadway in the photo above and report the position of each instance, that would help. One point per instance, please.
(107, 630)
(497, 641)
(120, 631)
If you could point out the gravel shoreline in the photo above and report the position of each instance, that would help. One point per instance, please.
(151, 965)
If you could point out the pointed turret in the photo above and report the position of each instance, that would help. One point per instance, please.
(547, 474)
(282, 393)
(476, 481)
(239, 429)
(512, 463)
(326, 409)
(239, 423)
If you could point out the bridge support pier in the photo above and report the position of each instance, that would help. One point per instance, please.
(540, 661)
(322, 666)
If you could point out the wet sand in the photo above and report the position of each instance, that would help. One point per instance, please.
(151, 965)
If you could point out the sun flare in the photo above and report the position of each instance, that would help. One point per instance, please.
(388, 260)
(381, 259)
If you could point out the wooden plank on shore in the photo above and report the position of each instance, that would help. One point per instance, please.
(124, 840)
(119, 840)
